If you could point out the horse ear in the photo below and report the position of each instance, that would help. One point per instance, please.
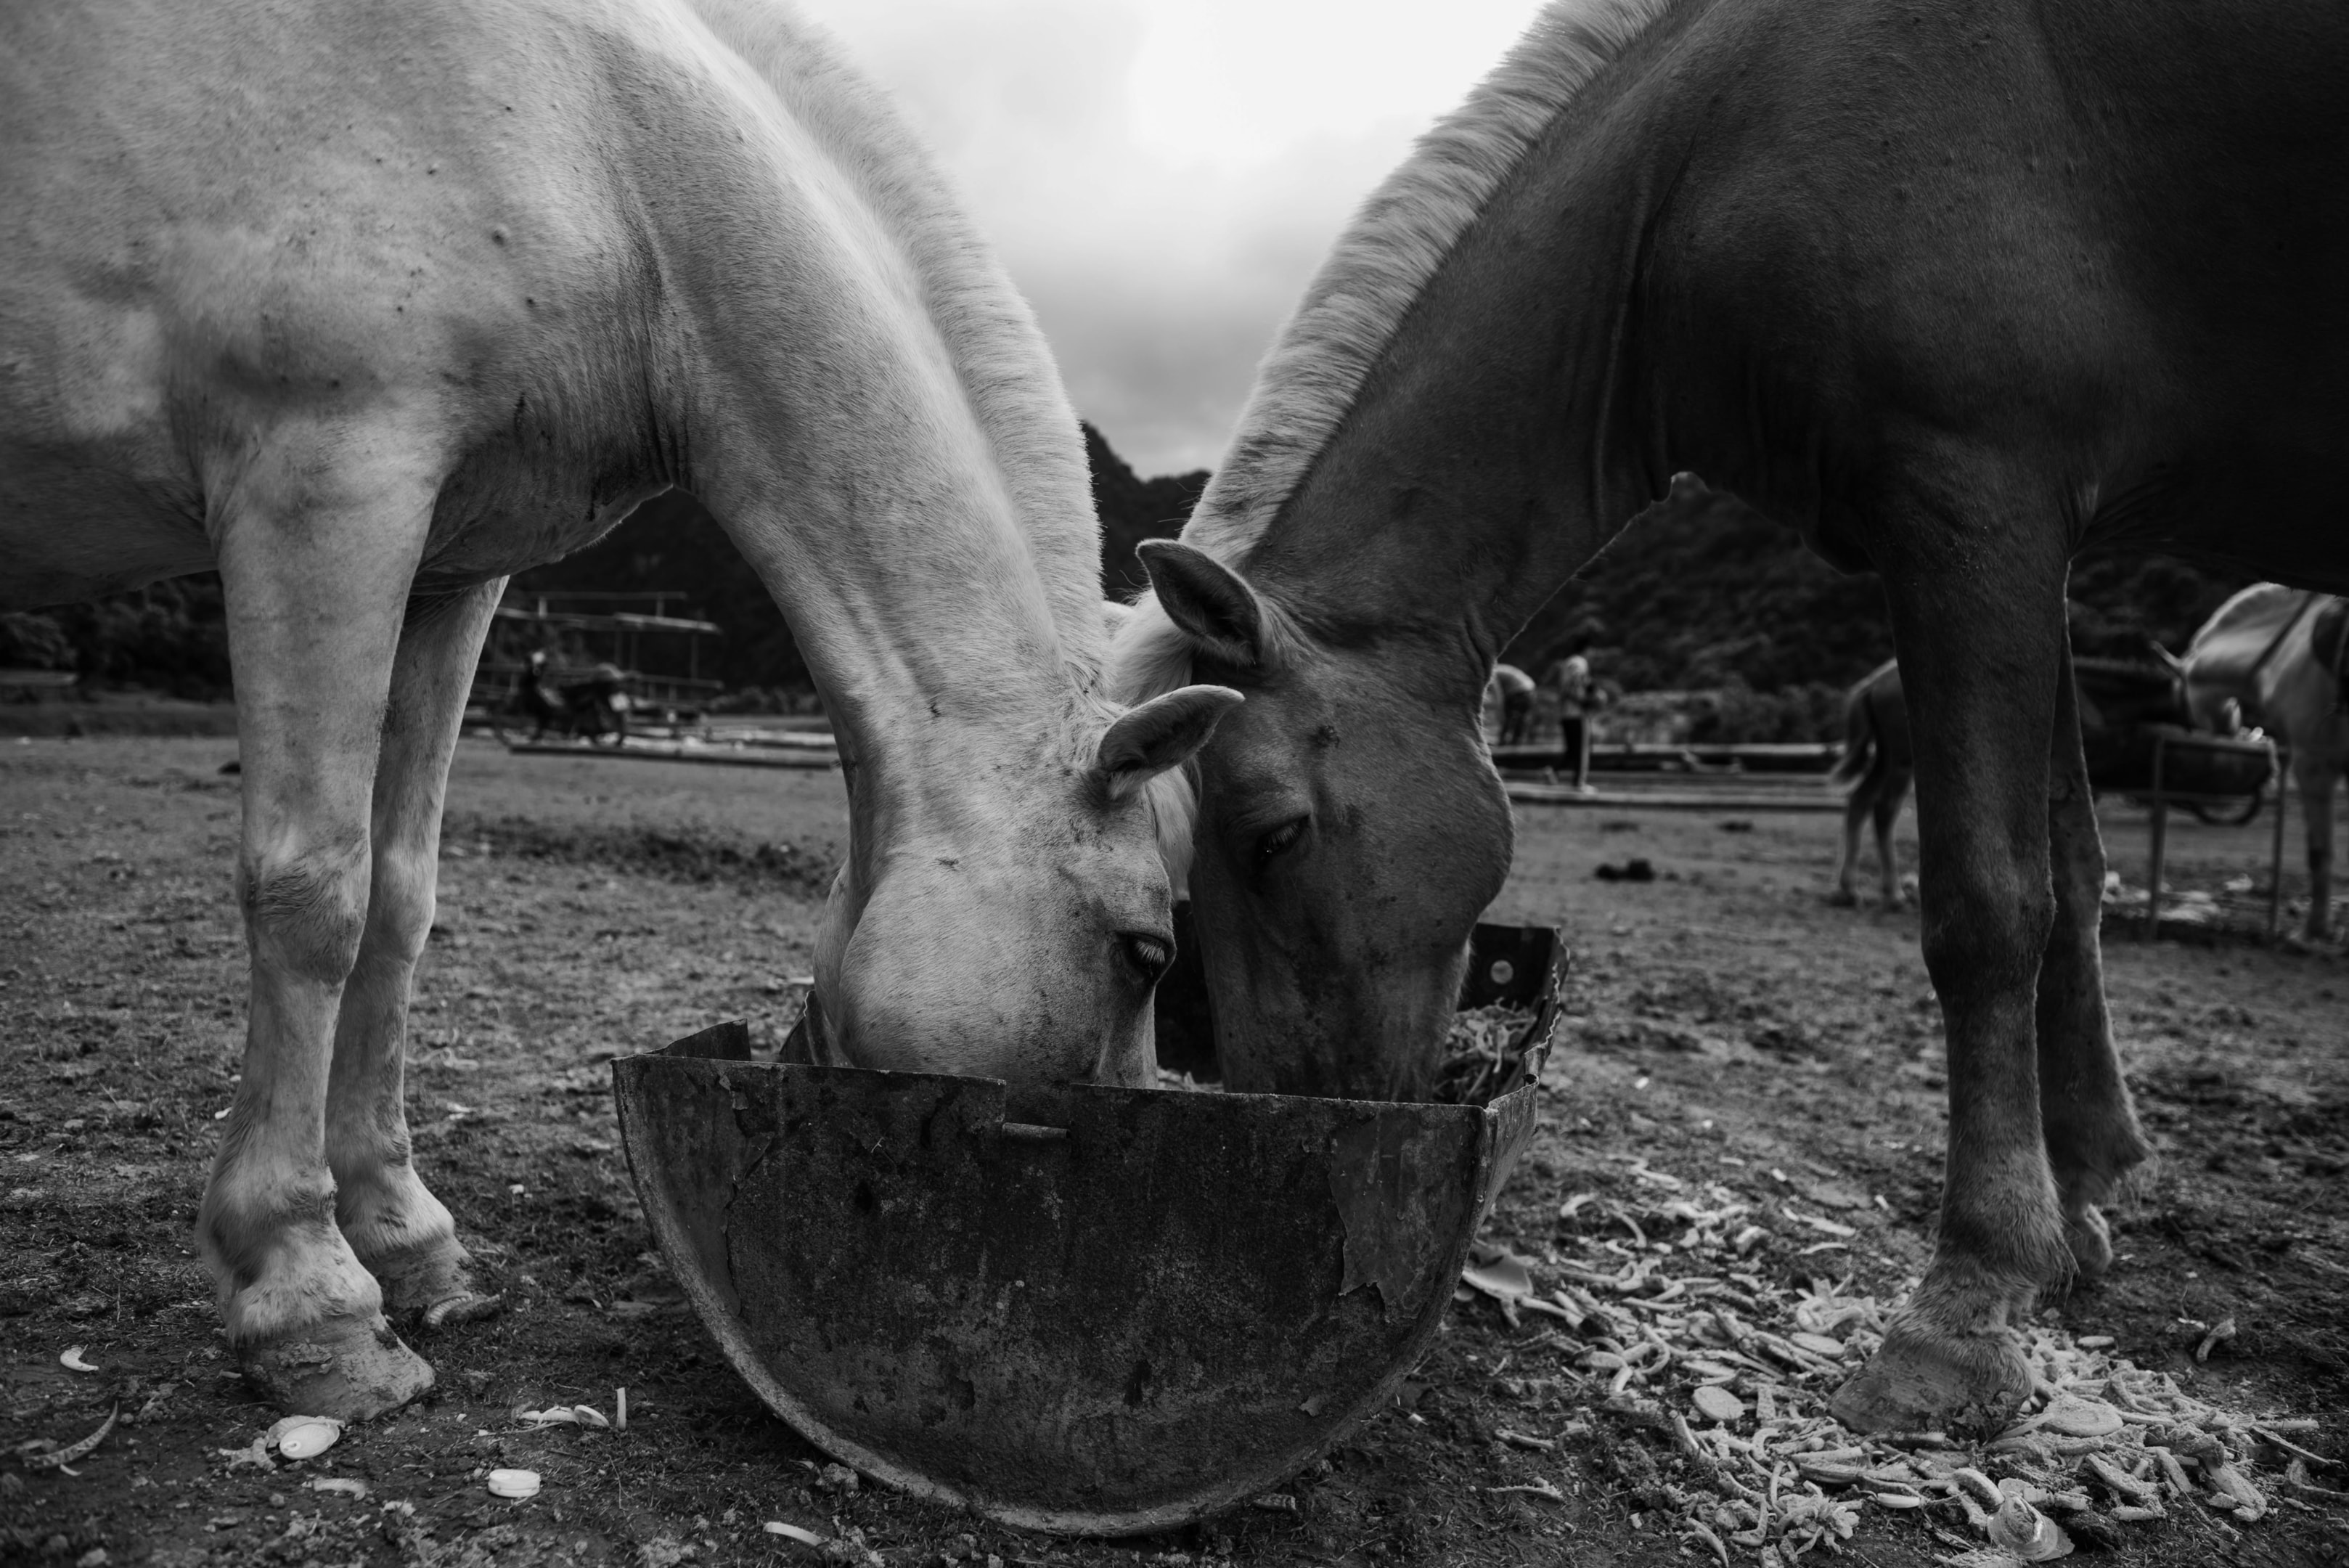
(1207, 599)
(1162, 733)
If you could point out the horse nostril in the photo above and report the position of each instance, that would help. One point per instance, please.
(1151, 955)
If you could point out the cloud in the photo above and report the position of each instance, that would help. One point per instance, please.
(1162, 178)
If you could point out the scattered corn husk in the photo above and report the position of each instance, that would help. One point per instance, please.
(2022, 1530)
(305, 1438)
(2070, 1415)
(2221, 1331)
(588, 1416)
(792, 1532)
(1666, 1322)
(71, 1360)
(515, 1484)
(348, 1486)
(1718, 1404)
(1537, 1488)
(255, 1453)
(63, 1459)
(1502, 1275)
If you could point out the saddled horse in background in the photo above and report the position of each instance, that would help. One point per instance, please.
(2279, 657)
(1954, 291)
(366, 308)
(1879, 760)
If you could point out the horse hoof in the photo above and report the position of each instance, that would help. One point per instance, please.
(434, 1287)
(1843, 899)
(1920, 1381)
(342, 1369)
(2091, 1242)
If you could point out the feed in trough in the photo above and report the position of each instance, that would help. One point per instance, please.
(1484, 1053)
(1484, 1057)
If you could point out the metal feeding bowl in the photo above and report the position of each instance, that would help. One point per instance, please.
(1090, 1311)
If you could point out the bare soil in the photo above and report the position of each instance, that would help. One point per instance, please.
(1729, 1026)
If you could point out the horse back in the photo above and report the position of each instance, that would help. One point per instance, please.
(2106, 232)
(473, 222)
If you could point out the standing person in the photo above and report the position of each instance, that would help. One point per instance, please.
(1570, 678)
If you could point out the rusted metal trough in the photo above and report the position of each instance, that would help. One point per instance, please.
(1090, 1311)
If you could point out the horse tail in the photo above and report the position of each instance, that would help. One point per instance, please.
(1859, 741)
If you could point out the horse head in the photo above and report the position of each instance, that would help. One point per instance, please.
(970, 932)
(1350, 829)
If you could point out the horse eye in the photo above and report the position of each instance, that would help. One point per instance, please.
(1280, 839)
(1149, 955)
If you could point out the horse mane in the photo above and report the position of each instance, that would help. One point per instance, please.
(997, 352)
(1387, 256)
(1357, 302)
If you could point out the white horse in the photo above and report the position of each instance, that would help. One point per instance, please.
(368, 306)
(2279, 655)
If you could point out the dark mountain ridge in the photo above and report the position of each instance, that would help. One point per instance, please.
(1702, 593)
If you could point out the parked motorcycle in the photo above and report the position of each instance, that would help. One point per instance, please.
(592, 708)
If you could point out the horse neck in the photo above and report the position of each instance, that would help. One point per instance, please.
(896, 461)
(1501, 439)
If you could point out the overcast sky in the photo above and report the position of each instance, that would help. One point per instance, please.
(1163, 176)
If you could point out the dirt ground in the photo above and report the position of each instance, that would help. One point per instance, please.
(1728, 1026)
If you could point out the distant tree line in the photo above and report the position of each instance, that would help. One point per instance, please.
(1700, 594)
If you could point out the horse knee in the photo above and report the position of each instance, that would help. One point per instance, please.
(401, 903)
(1985, 932)
(305, 906)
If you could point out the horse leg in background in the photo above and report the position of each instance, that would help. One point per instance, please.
(398, 1228)
(2314, 772)
(2092, 1132)
(1863, 763)
(1978, 612)
(1889, 796)
(1856, 807)
(319, 535)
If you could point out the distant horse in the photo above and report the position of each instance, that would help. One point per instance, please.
(1877, 764)
(1953, 290)
(1875, 770)
(2279, 656)
(368, 306)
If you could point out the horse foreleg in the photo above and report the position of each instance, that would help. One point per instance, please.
(2314, 769)
(398, 1228)
(1888, 812)
(2091, 1127)
(1977, 611)
(317, 541)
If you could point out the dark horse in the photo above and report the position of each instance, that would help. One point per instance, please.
(1954, 290)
